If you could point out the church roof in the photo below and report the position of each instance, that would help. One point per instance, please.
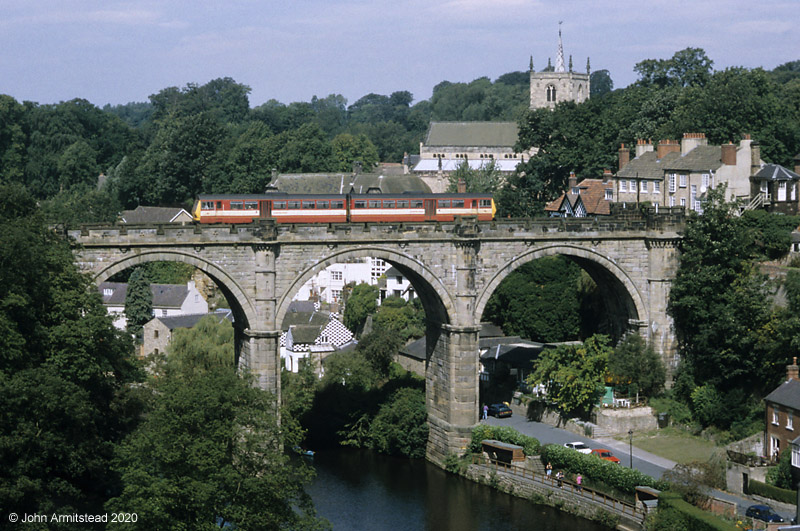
(472, 134)
(342, 183)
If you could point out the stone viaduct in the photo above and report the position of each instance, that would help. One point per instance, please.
(454, 268)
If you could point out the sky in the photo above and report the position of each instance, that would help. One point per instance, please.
(116, 52)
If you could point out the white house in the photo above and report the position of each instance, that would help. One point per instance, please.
(328, 284)
(311, 334)
(397, 285)
(168, 300)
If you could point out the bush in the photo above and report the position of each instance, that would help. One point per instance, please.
(781, 476)
(612, 474)
(504, 434)
(679, 412)
(674, 513)
(400, 427)
(770, 491)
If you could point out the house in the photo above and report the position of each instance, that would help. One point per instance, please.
(395, 284)
(328, 285)
(679, 174)
(782, 406)
(168, 300)
(312, 334)
(143, 214)
(157, 332)
(590, 197)
(776, 189)
(448, 145)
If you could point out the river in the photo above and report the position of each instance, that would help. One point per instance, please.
(363, 490)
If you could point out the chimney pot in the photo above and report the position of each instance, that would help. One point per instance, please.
(462, 186)
(728, 155)
(624, 156)
(793, 370)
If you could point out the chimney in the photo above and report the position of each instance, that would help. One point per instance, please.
(792, 370)
(356, 167)
(274, 173)
(607, 175)
(691, 141)
(462, 186)
(755, 158)
(667, 146)
(573, 182)
(624, 156)
(643, 146)
(728, 154)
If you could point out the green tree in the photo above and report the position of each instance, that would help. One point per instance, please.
(404, 319)
(687, 67)
(138, 302)
(64, 371)
(485, 180)
(379, 348)
(361, 302)
(12, 140)
(601, 83)
(574, 375)
(348, 148)
(400, 427)
(635, 363)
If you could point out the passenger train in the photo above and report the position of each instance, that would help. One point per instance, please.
(330, 208)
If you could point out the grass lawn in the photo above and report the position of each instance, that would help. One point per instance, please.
(673, 444)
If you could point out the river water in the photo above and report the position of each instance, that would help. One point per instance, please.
(360, 489)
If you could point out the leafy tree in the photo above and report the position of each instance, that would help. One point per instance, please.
(771, 234)
(400, 427)
(81, 204)
(404, 319)
(781, 475)
(687, 67)
(12, 140)
(63, 372)
(202, 348)
(138, 303)
(634, 362)
(486, 179)
(601, 83)
(348, 149)
(379, 348)
(361, 301)
(786, 72)
(574, 375)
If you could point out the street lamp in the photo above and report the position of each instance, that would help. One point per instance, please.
(630, 445)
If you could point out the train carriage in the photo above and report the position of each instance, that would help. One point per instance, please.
(334, 208)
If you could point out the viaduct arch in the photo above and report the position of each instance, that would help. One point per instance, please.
(455, 267)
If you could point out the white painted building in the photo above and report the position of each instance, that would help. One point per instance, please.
(397, 285)
(328, 285)
(168, 300)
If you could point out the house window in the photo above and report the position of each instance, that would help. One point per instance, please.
(336, 275)
(107, 292)
(644, 187)
(704, 183)
(633, 185)
(683, 201)
(609, 195)
(694, 193)
(775, 416)
(789, 421)
(656, 187)
(764, 188)
(397, 293)
(794, 191)
(337, 294)
(782, 191)
(683, 181)
(672, 183)
(163, 313)
(672, 200)
(155, 334)
(775, 446)
(623, 186)
(399, 279)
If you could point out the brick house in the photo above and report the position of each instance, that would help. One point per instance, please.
(782, 407)
(157, 332)
(590, 197)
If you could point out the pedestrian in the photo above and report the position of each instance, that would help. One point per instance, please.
(560, 478)
(485, 411)
(578, 481)
(549, 469)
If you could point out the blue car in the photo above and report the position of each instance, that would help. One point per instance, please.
(763, 512)
(499, 410)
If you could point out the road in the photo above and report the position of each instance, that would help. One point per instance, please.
(650, 464)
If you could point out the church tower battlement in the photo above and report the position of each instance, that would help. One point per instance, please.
(558, 84)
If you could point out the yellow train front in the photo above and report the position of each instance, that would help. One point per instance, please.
(330, 208)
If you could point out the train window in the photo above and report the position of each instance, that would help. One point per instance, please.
(444, 203)
(402, 203)
(237, 205)
(416, 203)
(323, 204)
(374, 203)
(485, 203)
(294, 205)
(458, 203)
(278, 205)
(219, 205)
(251, 205)
(388, 204)
(207, 205)
(337, 204)
(360, 204)
(307, 205)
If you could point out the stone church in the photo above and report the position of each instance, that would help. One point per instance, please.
(559, 84)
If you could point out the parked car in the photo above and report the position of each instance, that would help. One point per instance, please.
(763, 512)
(499, 410)
(579, 446)
(605, 455)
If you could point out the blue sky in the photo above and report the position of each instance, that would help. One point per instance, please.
(119, 51)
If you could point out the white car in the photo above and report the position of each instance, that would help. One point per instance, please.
(579, 446)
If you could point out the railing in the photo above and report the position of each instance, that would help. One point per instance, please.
(618, 506)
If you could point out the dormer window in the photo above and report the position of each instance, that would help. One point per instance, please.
(609, 194)
(576, 190)
(107, 292)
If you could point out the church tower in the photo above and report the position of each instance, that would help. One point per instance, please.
(558, 84)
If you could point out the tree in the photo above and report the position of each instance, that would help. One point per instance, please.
(379, 348)
(635, 363)
(359, 303)
(138, 302)
(207, 455)
(574, 375)
(64, 371)
(485, 180)
(400, 427)
(601, 83)
(687, 67)
(405, 319)
(348, 149)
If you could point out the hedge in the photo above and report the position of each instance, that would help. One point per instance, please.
(504, 434)
(695, 518)
(612, 474)
(771, 491)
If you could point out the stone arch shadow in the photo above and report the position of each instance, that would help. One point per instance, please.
(244, 312)
(623, 298)
(436, 300)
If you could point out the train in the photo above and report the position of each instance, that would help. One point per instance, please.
(341, 208)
